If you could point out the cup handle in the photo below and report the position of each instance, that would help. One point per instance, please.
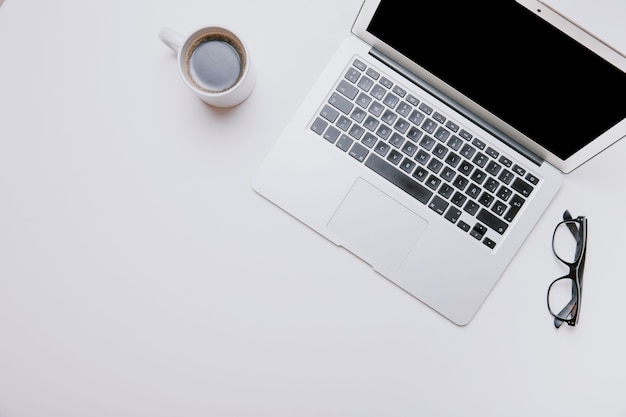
(171, 38)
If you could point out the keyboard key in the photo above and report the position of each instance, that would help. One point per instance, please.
(522, 187)
(370, 123)
(343, 123)
(394, 157)
(416, 117)
(414, 134)
(441, 134)
(329, 113)
(383, 131)
(445, 190)
(369, 140)
(438, 204)
(452, 126)
(372, 73)
(347, 89)
(435, 165)
(352, 75)
(458, 199)
(478, 231)
(492, 221)
(460, 182)
(400, 180)
(448, 174)
(504, 193)
(341, 103)
(386, 83)
(391, 100)
(493, 168)
(399, 91)
(439, 117)
(404, 109)
(491, 185)
(376, 108)
(506, 176)
(514, 207)
(319, 125)
(453, 214)
(490, 243)
(331, 134)
(378, 92)
(358, 114)
(433, 182)
(344, 143)
(382, 148)
(396, 140)
(429, 126)
(519, 170)
(532, 179)
(425, 108)
(465, 168)
(420, 173)
(409, 148)
(479, 143)
(465, 134)
(478, 176)
(499, 207)
(365, 83)
(356, 131)
(427, 142)
(467, 151)
(505, 161)
(480, 159)
(422, 157)
(471, 207)
(413, 100)
(363, 100)
(389, 117)
(486, 199)
(453, 159)
(358, 152)
(401, 125)
(360, 65)
(455, 142)
(407, 165)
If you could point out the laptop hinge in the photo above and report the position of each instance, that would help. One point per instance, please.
(456, 106)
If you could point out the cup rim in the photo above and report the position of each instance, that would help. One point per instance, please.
(182, 52)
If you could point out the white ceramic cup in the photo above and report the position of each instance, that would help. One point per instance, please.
(214, 63)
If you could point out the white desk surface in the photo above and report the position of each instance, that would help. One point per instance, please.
(140, 275)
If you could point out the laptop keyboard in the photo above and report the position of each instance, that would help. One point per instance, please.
(415, 146)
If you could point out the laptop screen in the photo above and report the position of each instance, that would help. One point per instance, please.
(513, 64)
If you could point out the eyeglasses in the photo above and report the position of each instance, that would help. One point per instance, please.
(569, 244)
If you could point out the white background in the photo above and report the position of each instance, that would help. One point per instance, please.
(140, 275)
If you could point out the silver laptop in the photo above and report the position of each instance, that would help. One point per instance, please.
(434, 139)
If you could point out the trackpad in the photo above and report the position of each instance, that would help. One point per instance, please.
(375, 226)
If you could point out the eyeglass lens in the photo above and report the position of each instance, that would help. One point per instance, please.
(562, 297)
(567, 241)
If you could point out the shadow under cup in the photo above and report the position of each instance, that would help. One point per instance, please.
(214, 60)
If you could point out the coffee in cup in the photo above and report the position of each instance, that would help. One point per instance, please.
(214, 63)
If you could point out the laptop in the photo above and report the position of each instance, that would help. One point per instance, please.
(434, 139)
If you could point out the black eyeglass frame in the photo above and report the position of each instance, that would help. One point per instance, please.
(571, 312)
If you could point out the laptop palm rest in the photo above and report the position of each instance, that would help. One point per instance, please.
(376, 227)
